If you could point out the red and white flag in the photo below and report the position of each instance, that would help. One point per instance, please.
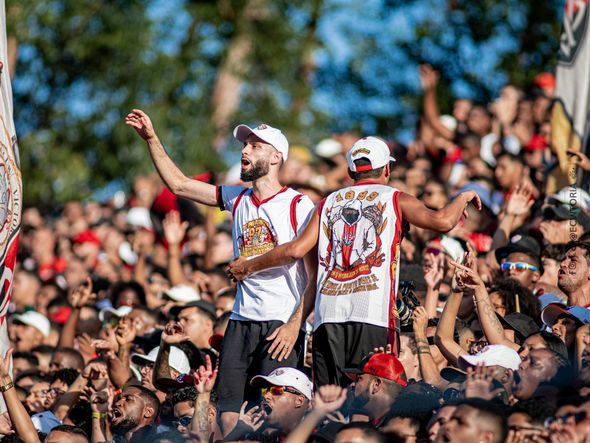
(10, 188)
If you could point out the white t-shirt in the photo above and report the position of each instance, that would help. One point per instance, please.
(358, 254)
(258, 226)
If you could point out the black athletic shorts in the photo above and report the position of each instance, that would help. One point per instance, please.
(343, 345)
(244, 354)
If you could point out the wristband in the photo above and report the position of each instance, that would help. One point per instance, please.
(99, 415)
(6, 387)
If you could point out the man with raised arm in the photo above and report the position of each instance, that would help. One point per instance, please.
(264, 330)
(358, 231)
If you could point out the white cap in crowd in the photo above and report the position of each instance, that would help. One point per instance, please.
(121, 311)
(177, 359)
(267, 134)
(492, 355)
(327, 148)
(288, 377)
(182, 294)
(373, 149)
(35, 320)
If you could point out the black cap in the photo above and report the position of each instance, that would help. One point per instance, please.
(206, 307)
(563, 212)
(520, 243)
(522, 324)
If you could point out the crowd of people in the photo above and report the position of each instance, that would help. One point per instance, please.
(355, 291)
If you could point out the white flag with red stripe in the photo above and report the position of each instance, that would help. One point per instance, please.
(10, 188)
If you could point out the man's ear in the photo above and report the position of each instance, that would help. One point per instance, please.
(300, 401)
(376, 385)
(148, 412)
(536, 276)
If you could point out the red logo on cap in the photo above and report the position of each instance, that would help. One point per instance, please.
(262, 126)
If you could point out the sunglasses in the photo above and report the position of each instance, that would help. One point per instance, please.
(517, 266)
(277, 391)
(182, 421)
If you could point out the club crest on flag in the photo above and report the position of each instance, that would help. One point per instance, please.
(574, 30)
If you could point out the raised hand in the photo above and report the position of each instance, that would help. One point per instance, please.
(237, 269)
(82, 295)
(428, 77)
(434, 274)
(5, 366)
(205, 377)
(479, 383)
(95, 370)
(329, 398)
(580, 159)
(142, 124)
(125, 332)
(520, 201)
(467, 276)
(174, 334)
(252, 419)
(6, 427)
(174, 228)
(420, 321)
(470, 197)
(100, 401)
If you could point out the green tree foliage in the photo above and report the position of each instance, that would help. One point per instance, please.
(299, 64)
(84, 64)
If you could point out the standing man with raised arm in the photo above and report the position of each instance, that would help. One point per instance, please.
(264, 330)
(358, 230)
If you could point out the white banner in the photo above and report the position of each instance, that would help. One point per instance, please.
(569, 119)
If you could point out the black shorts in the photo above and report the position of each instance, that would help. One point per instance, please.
(244, 354)
(343, 345)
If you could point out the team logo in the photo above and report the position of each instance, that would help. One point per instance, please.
(262, 126)
(574, 30)
(257, 238)
(10, 211)
(361, 151)
(354, 231)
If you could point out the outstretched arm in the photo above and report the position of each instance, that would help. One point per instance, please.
(429, 80)
(177, 182)
(443, 220)
(282, 255)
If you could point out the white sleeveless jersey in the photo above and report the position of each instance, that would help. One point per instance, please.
(358, 251)
(259, 226)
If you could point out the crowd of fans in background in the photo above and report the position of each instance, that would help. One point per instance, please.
(119, 308)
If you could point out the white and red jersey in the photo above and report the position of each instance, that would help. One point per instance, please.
(259, 226)
(358, 251)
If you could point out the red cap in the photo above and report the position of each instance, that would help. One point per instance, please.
(536, 143)
(380, 365)
(86, 237)
(545, 81)
(61, 315)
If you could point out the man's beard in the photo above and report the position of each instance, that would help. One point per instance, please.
(259, 169)
(124, 426)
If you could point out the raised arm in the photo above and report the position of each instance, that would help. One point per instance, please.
(443, 220)
(492, 328)
(177, 182)
(429, 80)
(444, 337)
(282, 255)
(18, 414)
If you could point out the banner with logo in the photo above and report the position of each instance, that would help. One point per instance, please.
(10, 188)
(570, 112)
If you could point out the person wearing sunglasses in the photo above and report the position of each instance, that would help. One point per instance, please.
(286, 395)
(524, 268)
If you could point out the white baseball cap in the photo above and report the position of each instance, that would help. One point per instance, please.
(121, 311)
(267, 134)
(177, 359)
(140, 218)
(373, 149)
(328, 147)
(35, 320)
(288, 377)
(492, 355)
(182, 294)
